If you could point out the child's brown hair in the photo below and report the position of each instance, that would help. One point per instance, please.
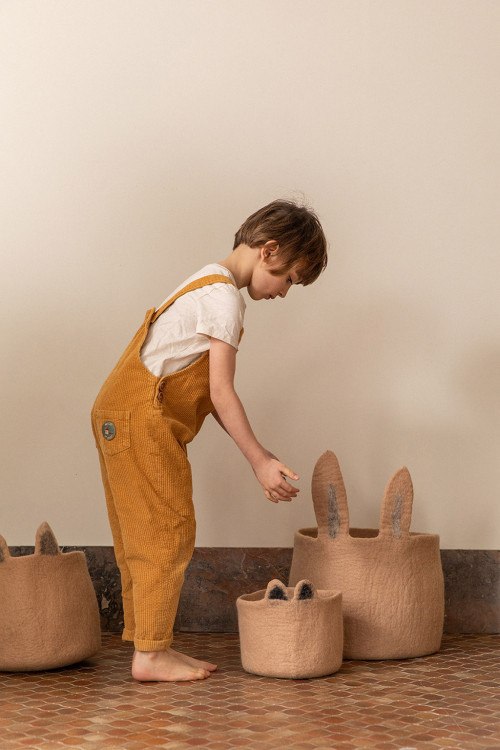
(298, 232)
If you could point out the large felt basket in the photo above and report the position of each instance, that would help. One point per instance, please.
(294, 633)
(391, 580)
(49, 615)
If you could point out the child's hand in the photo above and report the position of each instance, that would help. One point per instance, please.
(272, 474)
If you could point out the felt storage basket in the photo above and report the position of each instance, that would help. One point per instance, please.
(391, 580)
(48, 615)
(294, 633)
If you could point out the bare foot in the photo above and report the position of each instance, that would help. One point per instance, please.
(196, 662)
(164, 666)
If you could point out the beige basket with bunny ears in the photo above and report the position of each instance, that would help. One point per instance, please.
(48, 615)
(391, 579)
(287, 632)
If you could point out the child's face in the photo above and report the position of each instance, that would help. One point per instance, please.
(266, 285)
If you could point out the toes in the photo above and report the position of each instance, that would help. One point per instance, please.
(206, 667)
(201, 674)
(197, 663)
(198, 673)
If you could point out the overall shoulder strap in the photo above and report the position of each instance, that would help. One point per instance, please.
(197, 284)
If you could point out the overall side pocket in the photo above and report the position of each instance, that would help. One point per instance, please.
(112, 429)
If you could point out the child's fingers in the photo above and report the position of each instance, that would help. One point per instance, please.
(287, 488)
(275, 486)
(275, 498)
(286, 472)
(277, 494)
(284, 491)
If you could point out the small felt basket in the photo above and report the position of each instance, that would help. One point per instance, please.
(391, 579)
(49, 615)
(290, 632)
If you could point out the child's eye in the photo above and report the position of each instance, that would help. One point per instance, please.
(289, 280)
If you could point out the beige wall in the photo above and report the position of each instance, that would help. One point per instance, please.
(135, 139)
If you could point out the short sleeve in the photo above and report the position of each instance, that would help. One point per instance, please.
(220, 313)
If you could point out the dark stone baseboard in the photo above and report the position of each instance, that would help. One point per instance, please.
(216, 576)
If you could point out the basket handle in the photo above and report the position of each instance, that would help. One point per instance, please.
(329, 497)
(395, 515)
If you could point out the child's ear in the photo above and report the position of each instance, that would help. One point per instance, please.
(269, 250)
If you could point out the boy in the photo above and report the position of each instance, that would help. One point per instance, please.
(180, 367)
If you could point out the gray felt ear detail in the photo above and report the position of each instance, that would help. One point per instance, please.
(4, 550)
(304, 590)
(46, 542)
(396, 516)
(333, 513)
(276, 590)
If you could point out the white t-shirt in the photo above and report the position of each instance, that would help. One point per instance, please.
(181, 334)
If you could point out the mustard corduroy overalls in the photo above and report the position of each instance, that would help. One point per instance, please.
(141, 425)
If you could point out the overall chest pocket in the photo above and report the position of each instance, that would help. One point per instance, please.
(112, 430)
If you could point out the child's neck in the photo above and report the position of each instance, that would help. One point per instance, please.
(241, 263)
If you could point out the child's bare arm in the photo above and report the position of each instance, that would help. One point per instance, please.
(231, 415)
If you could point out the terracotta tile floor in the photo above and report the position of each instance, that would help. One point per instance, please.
(449, 700)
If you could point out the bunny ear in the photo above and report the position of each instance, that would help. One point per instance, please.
(329, 497)
(395, 516)
(276, 590)
(46, 543)
(304, 590)
(4, 550)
